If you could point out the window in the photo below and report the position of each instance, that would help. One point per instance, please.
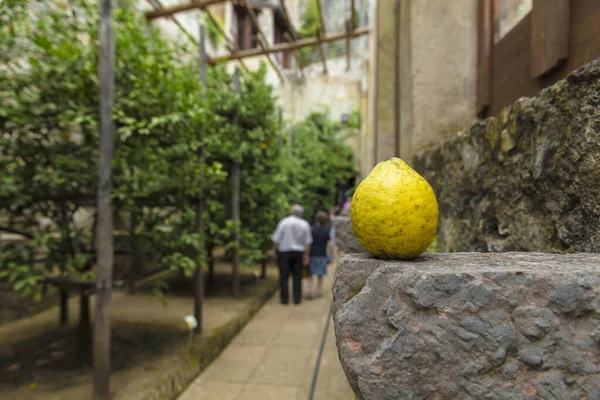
(507, 14)
(282, 57)
(246, 35)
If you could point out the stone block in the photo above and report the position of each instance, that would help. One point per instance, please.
(470, 326)
(345, 238)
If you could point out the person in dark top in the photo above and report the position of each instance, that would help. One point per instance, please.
(319, 254)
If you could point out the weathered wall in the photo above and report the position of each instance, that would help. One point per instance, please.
(436, 69)
(444, 61)
(448, 326)
(367, 133)
(385, 141)
(339, 92)
(528, 179)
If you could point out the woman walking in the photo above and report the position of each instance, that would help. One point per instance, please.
(318, 254)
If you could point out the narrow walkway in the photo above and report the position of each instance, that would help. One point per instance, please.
(274, 357)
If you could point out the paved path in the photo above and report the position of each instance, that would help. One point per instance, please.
(274, 357)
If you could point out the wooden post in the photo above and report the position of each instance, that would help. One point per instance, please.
(350, 26)
(280, 136)
(211, 264)
(321, 50)
(235, 207)
(84, 337)
(132, 275)
(64, 307)
(290, 40)
(263, 270)
(199, 274)
(321, 32)
(104, 233)
(348, 45)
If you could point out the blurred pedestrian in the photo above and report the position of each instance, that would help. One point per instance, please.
(318, 254)
(292, 240)
(347, 204)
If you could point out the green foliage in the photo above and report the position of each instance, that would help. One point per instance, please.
(309, 28)
(310, 20)
(49, 95)
(320, 161)
(355, 121)
(214, 26)
(433, 248)
(49, 138)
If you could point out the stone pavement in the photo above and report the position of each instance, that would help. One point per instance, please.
(274, 357)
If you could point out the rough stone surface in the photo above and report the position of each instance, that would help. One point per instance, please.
(345, 238)
(470, 326)
(528, 180)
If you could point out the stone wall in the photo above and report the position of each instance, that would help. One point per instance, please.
(528, 180)
(512, 326)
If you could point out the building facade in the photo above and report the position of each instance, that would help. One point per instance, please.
(439, 66)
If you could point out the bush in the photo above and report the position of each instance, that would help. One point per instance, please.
(49, 97)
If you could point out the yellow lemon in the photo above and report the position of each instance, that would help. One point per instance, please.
(394, 211)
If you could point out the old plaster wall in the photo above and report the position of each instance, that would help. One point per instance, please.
(443, 76)
(339, 92)
(436, 69)
(385, 141)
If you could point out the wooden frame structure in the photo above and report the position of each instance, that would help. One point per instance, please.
(553, 39)
(293, 40)
(103, 284)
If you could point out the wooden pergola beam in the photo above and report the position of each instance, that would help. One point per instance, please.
(157, 5)
(348, 45)
(350, 26)
(289, 38)
(322, 50)
(290, 46)
(262, 39)
(321, 32)
(288, 20)
(192, 5)
(321, 20)
(228, 41)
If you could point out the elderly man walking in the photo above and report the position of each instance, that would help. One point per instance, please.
(292, 239)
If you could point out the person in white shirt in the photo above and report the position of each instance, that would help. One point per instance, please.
(292, 240)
